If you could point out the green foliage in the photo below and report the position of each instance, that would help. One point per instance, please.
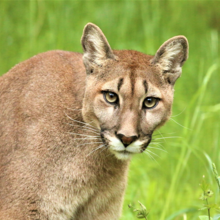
(167, 186)
(217, 177)
(142, 213)
(204, 217)
(207, 194)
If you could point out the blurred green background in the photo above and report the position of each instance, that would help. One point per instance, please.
(168, 183)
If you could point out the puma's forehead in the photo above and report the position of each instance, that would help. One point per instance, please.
(133, 65)
(131, 75)
(129, 87)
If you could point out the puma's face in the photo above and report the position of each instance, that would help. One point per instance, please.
(129, 94)
(127, 104)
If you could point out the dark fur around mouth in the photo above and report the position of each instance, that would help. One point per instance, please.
(104, 140)
(145, 145)
(143, 148)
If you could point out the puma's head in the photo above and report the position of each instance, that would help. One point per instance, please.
(129, 94)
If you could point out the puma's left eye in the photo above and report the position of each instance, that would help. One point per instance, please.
(111, 97)
(150, 102)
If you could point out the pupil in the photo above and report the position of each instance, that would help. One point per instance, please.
(149, 100)
(112, 95)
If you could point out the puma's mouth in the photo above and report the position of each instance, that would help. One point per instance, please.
(121, 151)
(124, 151)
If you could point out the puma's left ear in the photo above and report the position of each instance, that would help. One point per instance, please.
(95, 45)
(171, 56)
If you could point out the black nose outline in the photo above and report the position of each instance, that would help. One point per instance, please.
(126, 140)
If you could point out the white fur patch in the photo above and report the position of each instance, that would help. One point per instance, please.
(171, 52)
(115, 144)
(135, 147)
(123, 155)
(122, 152)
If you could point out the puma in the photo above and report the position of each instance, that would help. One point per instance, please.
(69, 124)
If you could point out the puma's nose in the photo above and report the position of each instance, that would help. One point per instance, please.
(126, 140)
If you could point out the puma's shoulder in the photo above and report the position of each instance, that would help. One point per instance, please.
(43, 76)
(43, 63)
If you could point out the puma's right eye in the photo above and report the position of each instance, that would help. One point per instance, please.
(150, 102)
(111, 97)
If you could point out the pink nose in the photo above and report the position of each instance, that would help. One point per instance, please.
(126, 140)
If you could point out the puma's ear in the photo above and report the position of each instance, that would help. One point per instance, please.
(171, 56)
(95, 45)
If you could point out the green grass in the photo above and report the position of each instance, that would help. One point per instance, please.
(169, 185)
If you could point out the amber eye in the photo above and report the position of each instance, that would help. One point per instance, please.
(150, 102)
(111, 97)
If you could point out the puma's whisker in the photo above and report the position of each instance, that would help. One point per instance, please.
(80, 122)
(87, 138)
(98, 136)
(157, 148)
(173, 116)
(78, 145)
(156, 141)
(99, 147)
(157, 144)
(150, 156)
(163, 138)
(85, 128)
(149, 151)
(91, 130)
(77, 109)
(180, 124)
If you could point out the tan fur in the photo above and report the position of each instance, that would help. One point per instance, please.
(64, 150)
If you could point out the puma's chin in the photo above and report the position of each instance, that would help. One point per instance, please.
(123, 155)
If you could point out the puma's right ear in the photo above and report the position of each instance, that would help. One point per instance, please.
(171, 56)
(95, 45)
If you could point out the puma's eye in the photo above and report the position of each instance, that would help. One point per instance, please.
(111, 97)
(150, 102)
